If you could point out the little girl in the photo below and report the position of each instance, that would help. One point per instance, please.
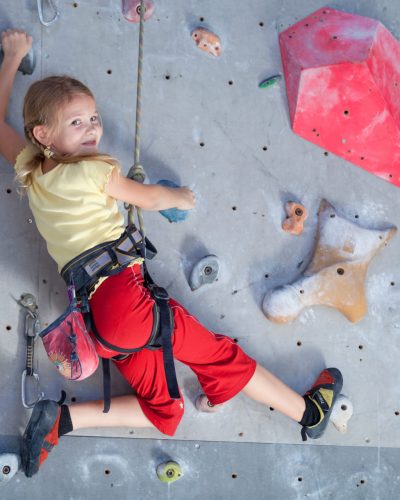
(73, 192)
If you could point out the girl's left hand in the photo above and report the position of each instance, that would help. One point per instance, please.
(15, 43)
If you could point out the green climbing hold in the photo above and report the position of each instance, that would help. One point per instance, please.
(270, 81)
(168, 472)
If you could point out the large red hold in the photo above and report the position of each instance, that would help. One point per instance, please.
(342, 75)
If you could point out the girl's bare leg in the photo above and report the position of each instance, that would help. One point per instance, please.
(268, 389)
(125, 411)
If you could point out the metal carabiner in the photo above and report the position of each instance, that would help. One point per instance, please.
(32, 329)
(24, 390)
(40, 10)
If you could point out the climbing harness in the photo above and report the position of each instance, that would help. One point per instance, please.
(111, 258)
(40, 11)
(32, 329)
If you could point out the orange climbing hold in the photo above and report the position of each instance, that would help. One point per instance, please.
(296, 216)
(207, 41)
(342, 74)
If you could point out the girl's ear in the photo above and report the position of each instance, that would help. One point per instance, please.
(41, 134)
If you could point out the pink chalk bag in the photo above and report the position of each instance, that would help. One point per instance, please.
(68, 343)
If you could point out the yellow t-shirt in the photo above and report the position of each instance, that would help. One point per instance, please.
(71, 209)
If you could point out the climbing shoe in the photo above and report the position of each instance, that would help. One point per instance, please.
(41, 434)
(323, 394)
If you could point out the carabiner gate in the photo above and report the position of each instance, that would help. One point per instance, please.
(26, 403)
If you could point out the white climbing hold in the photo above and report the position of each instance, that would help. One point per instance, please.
(9, 465)
(204, 272)
(341, 413)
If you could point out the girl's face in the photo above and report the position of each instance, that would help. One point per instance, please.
(79, 128)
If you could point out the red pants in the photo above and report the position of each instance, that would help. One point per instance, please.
(122, 311)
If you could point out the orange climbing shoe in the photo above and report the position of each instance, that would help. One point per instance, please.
(323, 394)
(41, 435)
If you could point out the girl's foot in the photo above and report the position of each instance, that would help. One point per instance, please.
(42, 433)
(323, 395)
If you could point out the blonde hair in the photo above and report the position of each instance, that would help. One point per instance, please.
(41, 107)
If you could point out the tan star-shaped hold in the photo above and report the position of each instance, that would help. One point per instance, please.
(336, 274)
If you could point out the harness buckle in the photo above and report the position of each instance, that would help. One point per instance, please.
(158, 293)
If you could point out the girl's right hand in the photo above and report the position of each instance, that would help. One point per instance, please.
(15, 43)
(187, 198)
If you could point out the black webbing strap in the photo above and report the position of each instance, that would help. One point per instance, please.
(106, 384)
(161, 297)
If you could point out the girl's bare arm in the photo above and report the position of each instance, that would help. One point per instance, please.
(15, 44)
(149, 196)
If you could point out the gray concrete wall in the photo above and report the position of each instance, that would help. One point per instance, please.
(241, 189)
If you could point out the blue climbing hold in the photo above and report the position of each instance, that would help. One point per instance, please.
(173, 214)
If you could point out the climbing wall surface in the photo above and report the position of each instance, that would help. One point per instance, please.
(207, 124)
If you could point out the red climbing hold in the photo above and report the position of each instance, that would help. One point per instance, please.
(342, 75)
(131, 10)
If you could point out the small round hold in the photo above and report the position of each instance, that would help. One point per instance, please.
(168, 472)
(204, 272)
(9, 465)
(342, 411)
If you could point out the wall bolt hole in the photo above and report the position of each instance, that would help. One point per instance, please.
(207, 270)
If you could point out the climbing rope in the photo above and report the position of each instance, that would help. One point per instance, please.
(137, 172)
